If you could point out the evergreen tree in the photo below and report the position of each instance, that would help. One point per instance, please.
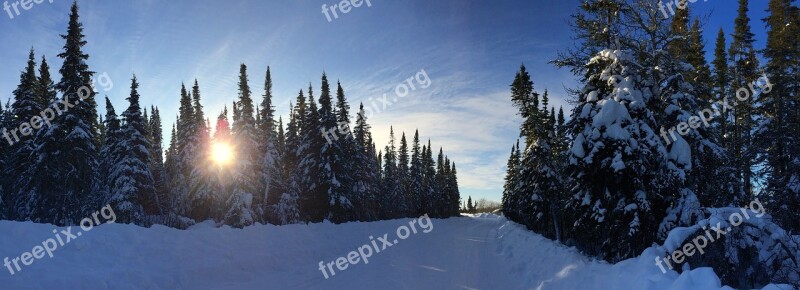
(222, 180)
(438, 195)
(691, 154)
(4, 199)
(288, 207)
(416, 188)
(280, 141)
(775, 137)
(722, 82)
(367, 170)
(111, 151)
(314, 203)
(680, 31)
(203, 197)
(46, 91)
(400, 196)
(133, 192)
(721, 192)
(430, 185)
(186, 151)
(615, 178)
(334, 162)
(147, 129)
(245, 196)
(292, 141)
(744, 71)
(157, 160)
(201, 164)
(271, 151)
(509, 195)
(562, 135)
(65, 174)
(621, 186)
(389, 180)
(542, 180)
(26, 105)
(539, 178)
(455, 195)
(700, 76)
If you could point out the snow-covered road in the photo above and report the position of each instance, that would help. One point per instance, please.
(481, 252)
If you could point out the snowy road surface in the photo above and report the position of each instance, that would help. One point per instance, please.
(482, 252)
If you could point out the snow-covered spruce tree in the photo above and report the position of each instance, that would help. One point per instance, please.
(246, 170)
(701, 77)
(171, 169)
(416, 186)
(708, 160)
(220, 180)
(439, 199)
(345, 152)
(778, 137)
(290, 203)
(524, 96)
(157, 160)
(455, 195)
(508, 193)
(4, 199)
(204, 201)
(271, 155)
(450, 197)
(133, 191)
(111, 150)
(744, 71)
(616, 157)
(314, 202)
(367, 179)
(430, 186)
(65, 174)
(615, 160)
(753, 252)
(539, 179)
(287, 209)
(284, 211)
(401, 194)
(21, 144)
(280, 147)
(46, 89)
(631, 87)
(334, 162)
(389, 179)
(293, 128)
(3, 179)
(185, 151)
(170, 160)
(680, 101)
(722, 191)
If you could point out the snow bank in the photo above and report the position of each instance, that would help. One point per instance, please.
(477, 252)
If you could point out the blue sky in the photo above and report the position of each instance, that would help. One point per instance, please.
(470, 49)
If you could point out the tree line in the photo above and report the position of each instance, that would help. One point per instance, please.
(607, 182)
(278, 174)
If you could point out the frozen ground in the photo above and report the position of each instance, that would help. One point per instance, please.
(480, 252)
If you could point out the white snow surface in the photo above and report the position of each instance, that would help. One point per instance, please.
(472, 252)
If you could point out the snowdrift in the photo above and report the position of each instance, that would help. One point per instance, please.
(473, 252)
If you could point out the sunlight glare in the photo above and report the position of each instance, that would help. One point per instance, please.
(222, 153)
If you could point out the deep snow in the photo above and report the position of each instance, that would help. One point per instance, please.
(476, 252)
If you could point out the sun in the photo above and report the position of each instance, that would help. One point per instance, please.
(221, 153)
